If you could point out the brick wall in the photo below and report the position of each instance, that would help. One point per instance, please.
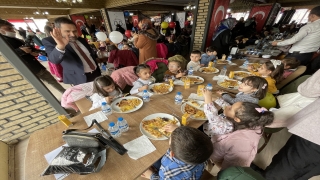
(200, 24)
(22, 109)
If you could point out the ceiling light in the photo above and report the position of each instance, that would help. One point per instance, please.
(228, 10)
(70, 2)
(131, 14)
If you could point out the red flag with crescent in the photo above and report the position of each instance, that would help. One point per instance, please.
(219, 13)
(261, 13)
(135, 21)
(79, 21)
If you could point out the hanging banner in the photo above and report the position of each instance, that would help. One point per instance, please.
(79, 21)
(116, 17)
(219, 13)
(135, 20)
(261, 13)
(181, 17)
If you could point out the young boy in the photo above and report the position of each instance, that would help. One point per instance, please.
(195, 60)
(189, 149)
(174, 69)
(210, 55)
(126, 46)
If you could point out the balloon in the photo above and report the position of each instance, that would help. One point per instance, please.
(172, 25)
(128, 33)
(88, 37)
(164, 25)
(42, 48)
(101, 36)
(268, 102)
(126, 13)
(186, 23)
(116, 37)
(43, 58)
(86, 16)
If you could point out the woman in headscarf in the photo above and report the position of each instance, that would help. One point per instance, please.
(221, 38)
(146, 40)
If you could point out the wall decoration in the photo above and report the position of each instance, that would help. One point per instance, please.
(79, 21)
(261, 13)
(181, 17)
(116, 17)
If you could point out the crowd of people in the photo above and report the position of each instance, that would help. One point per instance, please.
(228, 139)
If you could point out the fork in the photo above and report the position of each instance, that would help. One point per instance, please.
(157, 129)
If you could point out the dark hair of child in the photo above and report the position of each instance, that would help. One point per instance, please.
(196, 52)
(292, 62)
(112, 47)
(190, 145)
(258, 83)
(211, 49)
(250, 118)
(102, 81)
(276, 73)
(139, 67)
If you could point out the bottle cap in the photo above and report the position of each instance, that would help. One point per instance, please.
(111, 124)
(179, 93)
(145, 91)
(209, 84)
(104, 103)
(120, 118)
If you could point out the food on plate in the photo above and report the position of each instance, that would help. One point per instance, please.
(228, 83)
(242, 74)
(161, 88)
(208, 70)
(193, 80)
(154, 126)
(255, 66)
(196, 113)
(128, 104)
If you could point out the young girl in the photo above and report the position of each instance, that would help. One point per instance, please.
(145, 78)
(290, 65)
(105, 90)
(252, 89)
(174, 69)
(272, 71)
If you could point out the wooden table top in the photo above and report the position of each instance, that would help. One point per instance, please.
(117, 167)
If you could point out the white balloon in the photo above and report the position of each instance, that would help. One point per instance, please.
(115, 37)
(101, 36)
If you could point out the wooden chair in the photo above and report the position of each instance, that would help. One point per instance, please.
(300, 70)
(207, 176)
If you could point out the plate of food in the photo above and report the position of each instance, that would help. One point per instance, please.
(126, 104)
(228, 84)
(209, 70)
(151, 126)
(241, 74)
(220, 61)
(195, 109)
(160, 88)
(193, 79)
(255, 66)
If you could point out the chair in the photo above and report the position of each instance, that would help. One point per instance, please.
(300, 70)
(239, 173)
(207, 176)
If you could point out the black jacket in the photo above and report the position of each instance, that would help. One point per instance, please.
(222, 43)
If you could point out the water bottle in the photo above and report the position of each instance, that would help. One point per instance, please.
(229, 58)
(190, 71)
(178, 98)
(123, 125)
(223, 71)
(145, 96)
(245, 64)
(106, 109)
(214, 63)
(209, 87)
(114, 130)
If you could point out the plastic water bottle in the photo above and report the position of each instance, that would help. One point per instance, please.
(214, 63)
(245, 64)
(229, 58)
(178, 98)
(106, 109)
(223, 71)
(209, 87)
(114, 130)
(190, 71)
(123, 125)
(145, 96)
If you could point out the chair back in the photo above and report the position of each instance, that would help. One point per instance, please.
(239, 173)
(300, 70)
(293, 86)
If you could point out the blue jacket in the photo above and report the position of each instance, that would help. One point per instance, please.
(205, 59)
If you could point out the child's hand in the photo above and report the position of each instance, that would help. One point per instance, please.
(145, 87)
(207, 96)
(179, 75)
(201, 65)
(170, 127)
(220, 92)
(109, 99)
(250, 68)
(147, 174)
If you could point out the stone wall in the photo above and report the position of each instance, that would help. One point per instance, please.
(202, 16)
(22, 109)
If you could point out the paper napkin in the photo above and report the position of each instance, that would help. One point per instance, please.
(139, 147)
(99, 116)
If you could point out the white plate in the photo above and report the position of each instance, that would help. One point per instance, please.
(239, 77)
(152, 85)
(201, 70)
(199, 102)
(153, 116)
(117, 109)
(221, 80)
(179, 82)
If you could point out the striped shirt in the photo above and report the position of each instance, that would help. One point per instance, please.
(306, 40)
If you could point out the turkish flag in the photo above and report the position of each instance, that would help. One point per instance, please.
(135, 21)
(79, 21)
(261, 13)
(219, 13)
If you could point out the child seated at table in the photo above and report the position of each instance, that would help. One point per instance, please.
(272, 71)
(145, 78)
(186, 158)
(174, 69)
(210, 55)
(195, 60)
(105, 90)
(252, 89)
(290, 65)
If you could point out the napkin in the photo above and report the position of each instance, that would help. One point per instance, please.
(196, 97)
(139, 147)
(220, 77)
(140, 93)
(99, 116)
(178, 82)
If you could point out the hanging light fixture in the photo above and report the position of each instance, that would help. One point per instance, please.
(70, 2)
(190, 7)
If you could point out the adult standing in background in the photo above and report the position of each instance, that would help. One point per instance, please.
(72, 52)
(146, 40)
(47, 29)
(306, 41)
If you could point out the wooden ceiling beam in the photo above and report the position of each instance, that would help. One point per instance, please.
(300, 3)
(121, 3)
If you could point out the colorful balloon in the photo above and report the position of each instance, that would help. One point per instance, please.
(172, 25)
(268, 102)
(116, 37)
(126, 13)
(164, 25)
(101, 36)
(43, 58)
(128, 33)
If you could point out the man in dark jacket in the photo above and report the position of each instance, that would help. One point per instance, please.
(27, 56)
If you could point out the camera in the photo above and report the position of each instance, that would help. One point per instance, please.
(30, 43)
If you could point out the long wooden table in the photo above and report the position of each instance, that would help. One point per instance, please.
(117, 167)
